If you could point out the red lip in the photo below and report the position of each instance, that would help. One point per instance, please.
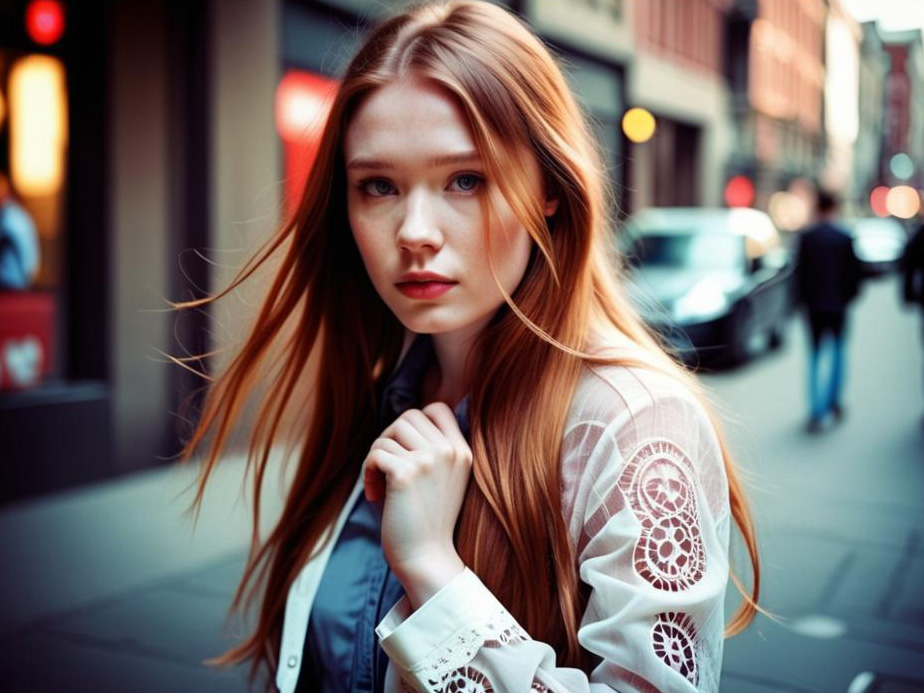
(425, 289)
(423, 277)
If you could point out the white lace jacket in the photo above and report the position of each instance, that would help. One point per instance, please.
(646, 498)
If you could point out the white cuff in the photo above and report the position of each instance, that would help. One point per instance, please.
(447, 630)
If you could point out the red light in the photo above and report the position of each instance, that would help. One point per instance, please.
(303, 100)
(45, 21)
(877, 201)
(739, 192)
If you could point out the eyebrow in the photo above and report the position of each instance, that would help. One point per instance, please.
(441, 160)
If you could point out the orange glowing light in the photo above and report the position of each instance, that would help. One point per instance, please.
(903, 201)
(639, 125)
(38, 125)
(45, 21)
(739, 192)
(877, 201)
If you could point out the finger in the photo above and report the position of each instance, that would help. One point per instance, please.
(405, 432)
(445, 420)
(425, 426)
(382, 470)
(389, 445)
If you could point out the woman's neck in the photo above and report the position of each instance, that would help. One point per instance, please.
(445, 380)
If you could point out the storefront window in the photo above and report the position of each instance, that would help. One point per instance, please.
(33, 165)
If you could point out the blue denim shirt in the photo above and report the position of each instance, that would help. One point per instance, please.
(342, 653)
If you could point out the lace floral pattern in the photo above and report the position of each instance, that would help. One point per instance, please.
(469, 679)
(673, 638)
(498, 629)
(465, 680)
(658, 484)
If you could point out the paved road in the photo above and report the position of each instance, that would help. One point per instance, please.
(840, 515)
(107, 589)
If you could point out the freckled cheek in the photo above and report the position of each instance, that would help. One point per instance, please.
(511, 249)
(372, 247)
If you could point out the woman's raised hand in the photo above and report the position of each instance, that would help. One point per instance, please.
(420, 466)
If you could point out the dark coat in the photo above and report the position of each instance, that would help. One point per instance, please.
(913, 268)
(827, 270)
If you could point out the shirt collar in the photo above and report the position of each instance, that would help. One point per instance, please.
(402, 390)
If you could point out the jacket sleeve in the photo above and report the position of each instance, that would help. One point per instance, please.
(799, 280)
(651, 543)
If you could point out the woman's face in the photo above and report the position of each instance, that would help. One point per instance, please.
(415, 180)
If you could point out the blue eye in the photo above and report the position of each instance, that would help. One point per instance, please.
(377, 187)
(467, 182)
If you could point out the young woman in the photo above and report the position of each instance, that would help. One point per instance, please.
(505, 483)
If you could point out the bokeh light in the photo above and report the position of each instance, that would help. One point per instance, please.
(45, 21)
(739, 192)
(38, 124)
(901, 166)
(639, 125)
(903, 201)
(788, 211)
(303, 101)
(877, 201)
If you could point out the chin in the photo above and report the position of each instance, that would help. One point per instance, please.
(430, 320)
(429, 326)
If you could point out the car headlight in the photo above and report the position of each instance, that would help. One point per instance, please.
(703, 301)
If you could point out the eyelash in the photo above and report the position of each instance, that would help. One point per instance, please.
(364, 184)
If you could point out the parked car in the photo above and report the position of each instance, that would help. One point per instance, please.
(877, 242)
(714, 277)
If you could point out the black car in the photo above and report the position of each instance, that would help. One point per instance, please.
(710, 279)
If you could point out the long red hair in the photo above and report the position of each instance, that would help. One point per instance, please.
(323, 324)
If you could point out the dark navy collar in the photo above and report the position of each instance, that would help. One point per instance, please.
(402, 390)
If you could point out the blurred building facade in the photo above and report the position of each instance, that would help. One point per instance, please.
(778, 103)
(874, 65)
(679, 76)
(170, 148)
(842, 37)
(904, 105)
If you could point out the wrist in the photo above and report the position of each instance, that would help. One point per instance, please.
(426, 576)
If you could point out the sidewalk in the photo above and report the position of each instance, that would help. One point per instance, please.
(845, 580)
(108, 589)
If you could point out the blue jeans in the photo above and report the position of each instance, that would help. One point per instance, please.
(827, 358)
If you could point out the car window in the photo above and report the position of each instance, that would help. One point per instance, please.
(702, 251)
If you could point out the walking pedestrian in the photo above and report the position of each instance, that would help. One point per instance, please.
(505, 484)
(912, 266)
(827, 280)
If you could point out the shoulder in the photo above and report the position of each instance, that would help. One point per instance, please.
(617, 408)
(636, 394)
(636, 401)
(630, 425)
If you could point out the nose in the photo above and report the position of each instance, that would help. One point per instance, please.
(419, 228)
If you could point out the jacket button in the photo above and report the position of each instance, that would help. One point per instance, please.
(293, 660)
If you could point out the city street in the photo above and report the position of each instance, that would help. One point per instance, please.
(107, 589)
(839, 515)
